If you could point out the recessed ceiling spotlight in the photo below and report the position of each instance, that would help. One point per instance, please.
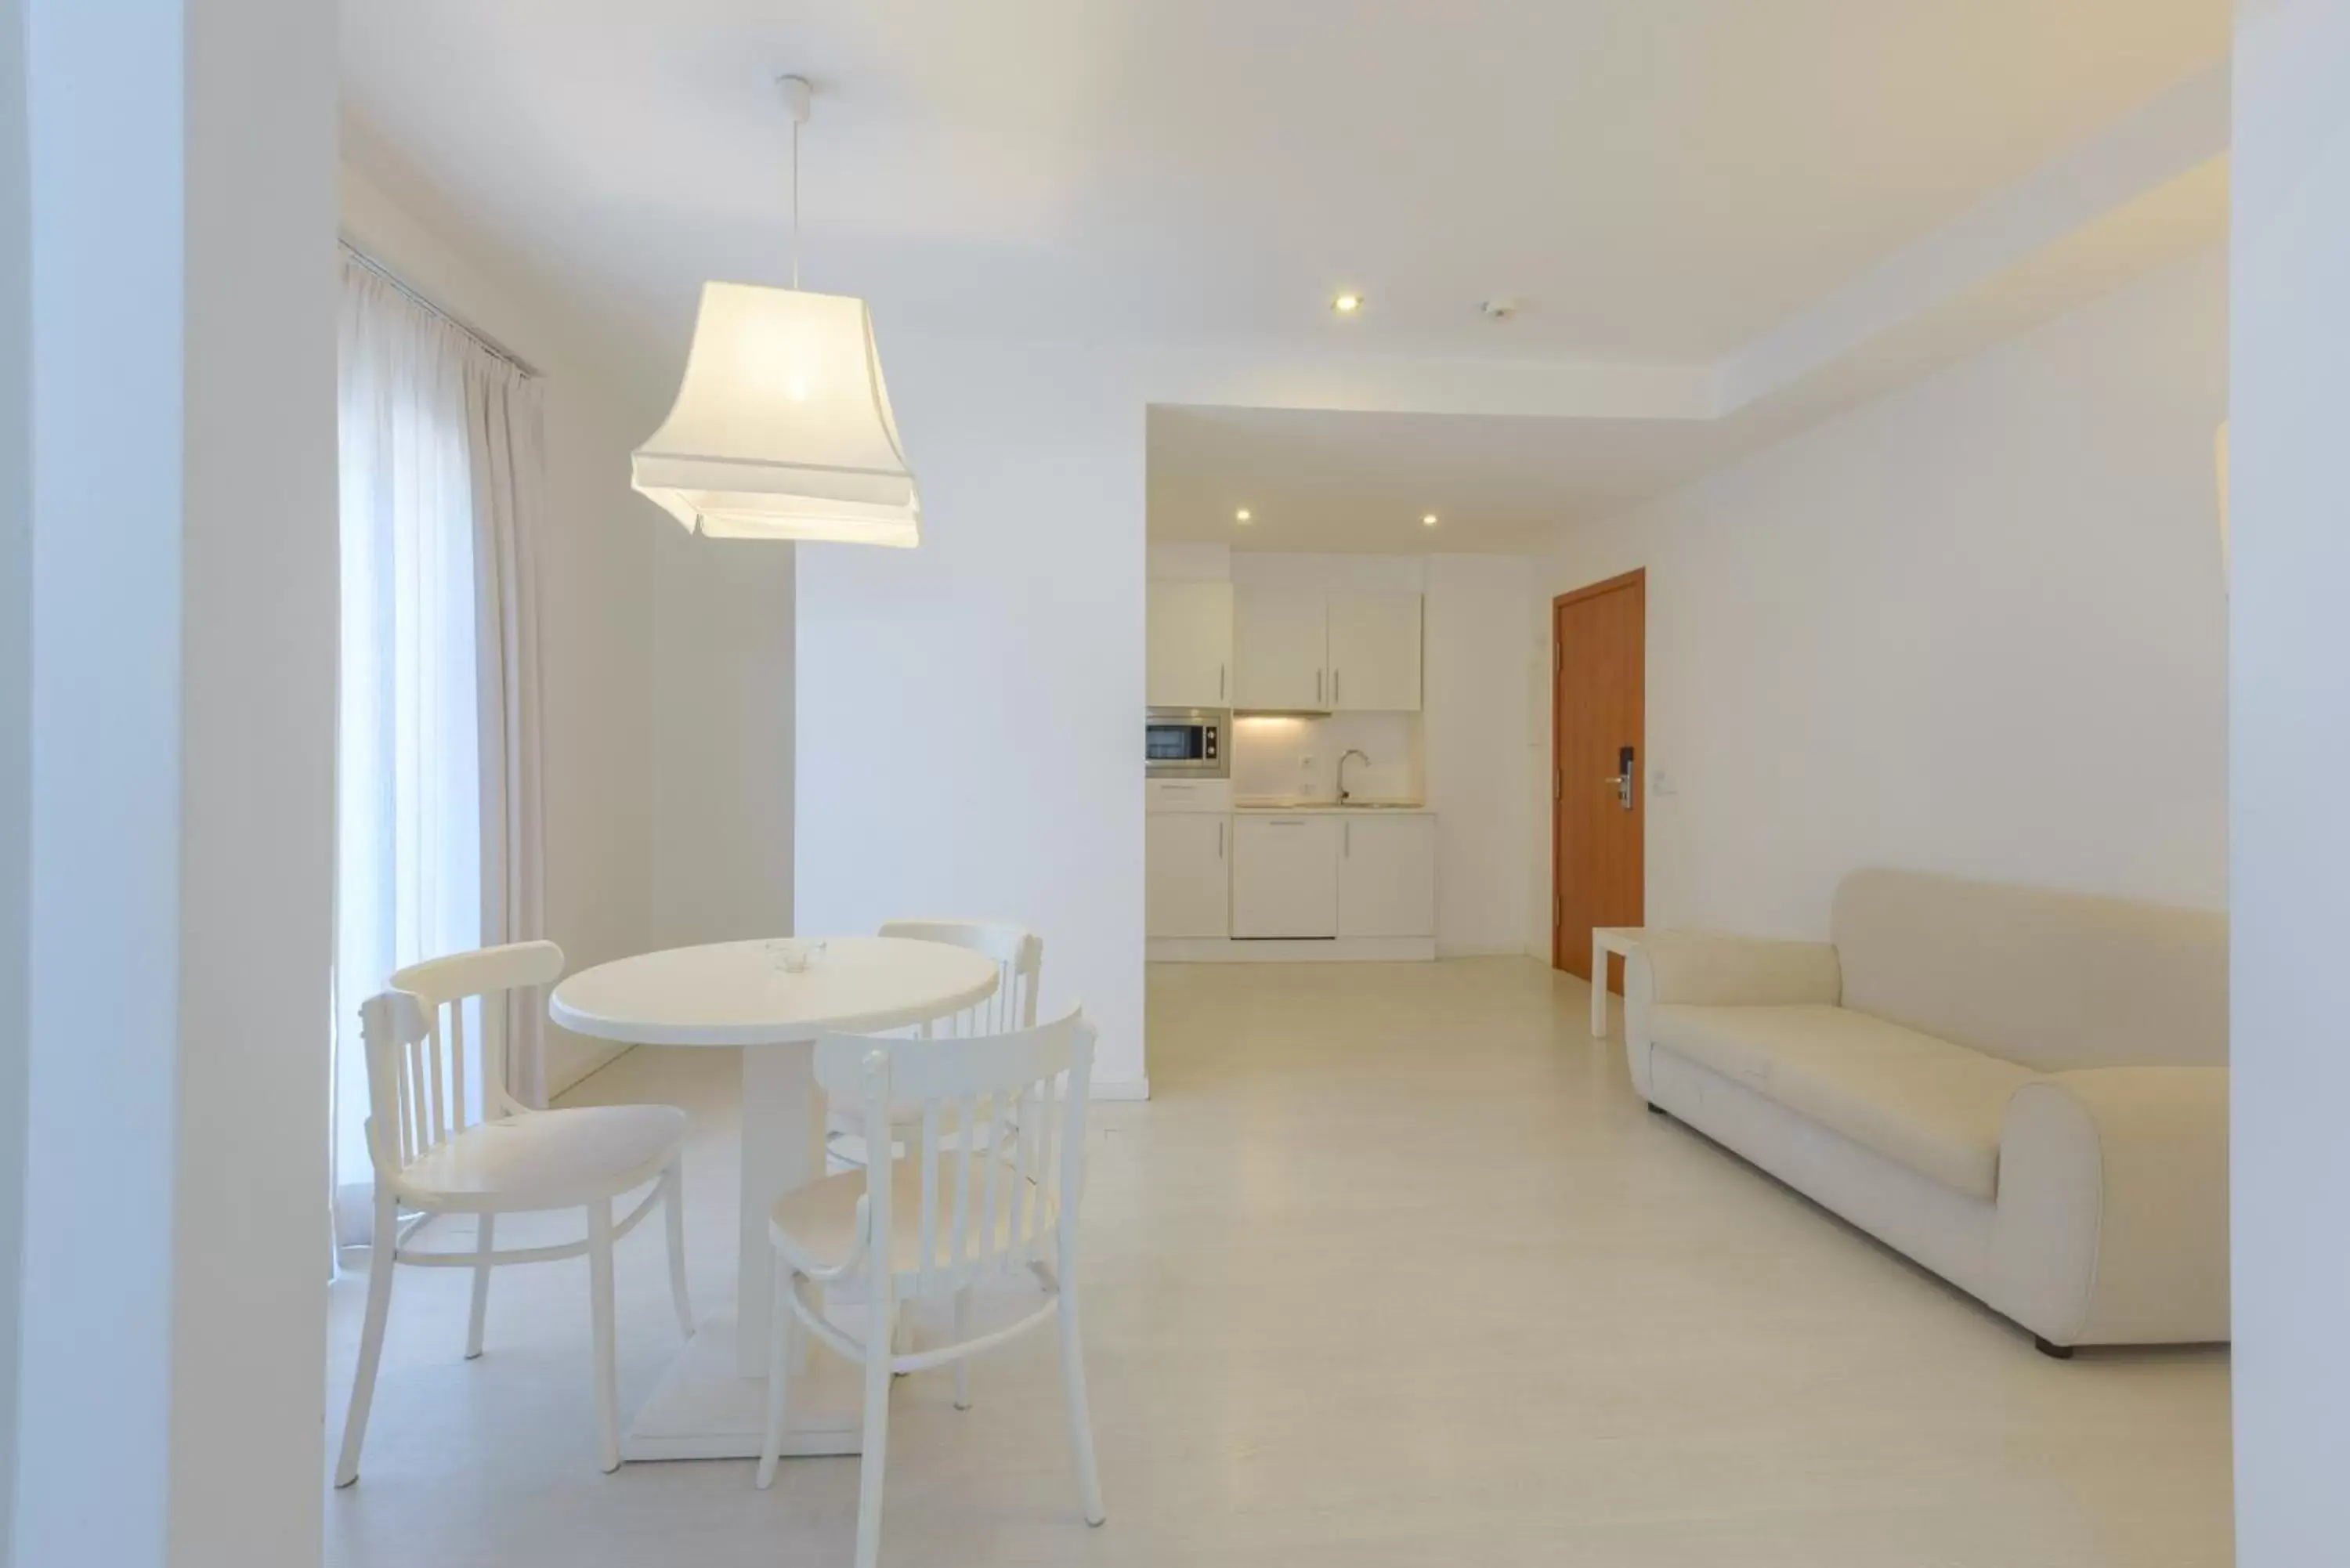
(1242, 515)
(1502, 307)
(1347, 304)
(1429, 521)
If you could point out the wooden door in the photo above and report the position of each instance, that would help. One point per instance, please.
(1599, 709)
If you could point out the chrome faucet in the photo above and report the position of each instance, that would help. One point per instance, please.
(1350, 753)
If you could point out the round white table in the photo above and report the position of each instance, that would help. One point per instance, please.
(712, 1403)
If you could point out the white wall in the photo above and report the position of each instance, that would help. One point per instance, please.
(1474, 712)
(15, 712)
(721, 735)
(1976, 626)
(182, 373)
(2289, 474)
(596, 599)
(966, 715)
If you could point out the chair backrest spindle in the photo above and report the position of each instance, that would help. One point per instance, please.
(416, 1048)
(1019, 956)
(999, 1160)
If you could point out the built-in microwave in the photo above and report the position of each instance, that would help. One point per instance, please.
(1187, 742)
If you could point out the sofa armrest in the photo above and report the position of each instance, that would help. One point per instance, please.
(2113, 1207)
(1702, 969)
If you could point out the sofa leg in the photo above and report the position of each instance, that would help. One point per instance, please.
(1655, 1109)
(2053, 1352)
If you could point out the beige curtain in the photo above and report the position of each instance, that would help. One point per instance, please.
(505, 437)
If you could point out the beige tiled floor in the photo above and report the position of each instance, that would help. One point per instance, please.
(1393, 1271)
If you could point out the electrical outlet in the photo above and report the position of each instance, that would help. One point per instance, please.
(1660, 782)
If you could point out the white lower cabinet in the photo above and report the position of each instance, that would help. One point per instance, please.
(1386, 876)
(1187, 874)
(1285, 876)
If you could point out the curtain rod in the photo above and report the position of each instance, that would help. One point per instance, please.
(425, 302)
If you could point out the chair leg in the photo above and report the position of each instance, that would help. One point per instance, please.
(961, 1333)
(485, 1230)
(380, 1263)
(902, 1338)
(780, 1320)
(599, 1307)
(673, 1179)
(1081, 1423)
(881, 1327)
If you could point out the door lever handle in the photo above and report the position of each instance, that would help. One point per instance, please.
(1622, 777)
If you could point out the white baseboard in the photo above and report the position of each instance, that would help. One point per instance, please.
(1343, 949)
(1121, 1089)
(1471, 950)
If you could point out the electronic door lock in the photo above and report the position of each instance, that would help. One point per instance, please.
(1623, 777)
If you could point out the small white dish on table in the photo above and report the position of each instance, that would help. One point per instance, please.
(712, 1403)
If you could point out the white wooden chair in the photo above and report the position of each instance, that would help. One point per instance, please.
(1019, 956)
(990, 1184)
(438, 1150)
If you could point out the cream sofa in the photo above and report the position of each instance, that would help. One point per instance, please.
(2024, 1091)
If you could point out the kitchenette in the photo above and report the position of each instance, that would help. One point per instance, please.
(1285, 756)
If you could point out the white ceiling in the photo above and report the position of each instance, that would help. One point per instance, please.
(1662, 180)
(1323, 481)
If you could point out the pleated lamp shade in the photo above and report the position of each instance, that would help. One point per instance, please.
(781, 427)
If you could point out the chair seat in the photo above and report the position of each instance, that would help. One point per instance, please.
(815, 1227)
(549, 1159)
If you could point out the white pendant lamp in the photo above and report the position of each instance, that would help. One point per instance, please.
(781, 427)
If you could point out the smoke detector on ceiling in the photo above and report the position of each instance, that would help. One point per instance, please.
(1502, 307)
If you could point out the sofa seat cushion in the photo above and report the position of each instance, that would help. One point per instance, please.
(1923, 1103)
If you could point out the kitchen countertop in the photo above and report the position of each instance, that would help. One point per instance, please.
(1330, 808)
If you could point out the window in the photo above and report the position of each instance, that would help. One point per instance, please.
(439, 446)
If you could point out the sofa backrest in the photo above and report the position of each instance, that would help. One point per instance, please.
(2046, 979)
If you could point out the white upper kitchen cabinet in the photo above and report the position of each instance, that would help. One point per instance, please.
(1280, 650)
(1386, 876)
(1374, 652)
(1285, 876)
(1187, 874)
(1190, 645)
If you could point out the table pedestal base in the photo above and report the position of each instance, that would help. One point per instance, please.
(705, 1409)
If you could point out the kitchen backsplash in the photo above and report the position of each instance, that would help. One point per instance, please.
(1288, 756)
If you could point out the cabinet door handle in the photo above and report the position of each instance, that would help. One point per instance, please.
(1219, 682)
(1220, 841)
(1346, 838)
(1317, 686)
(1334, 688)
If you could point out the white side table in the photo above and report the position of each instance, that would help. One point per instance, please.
(1606, 940)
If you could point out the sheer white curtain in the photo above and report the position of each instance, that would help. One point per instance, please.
(437, 785)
